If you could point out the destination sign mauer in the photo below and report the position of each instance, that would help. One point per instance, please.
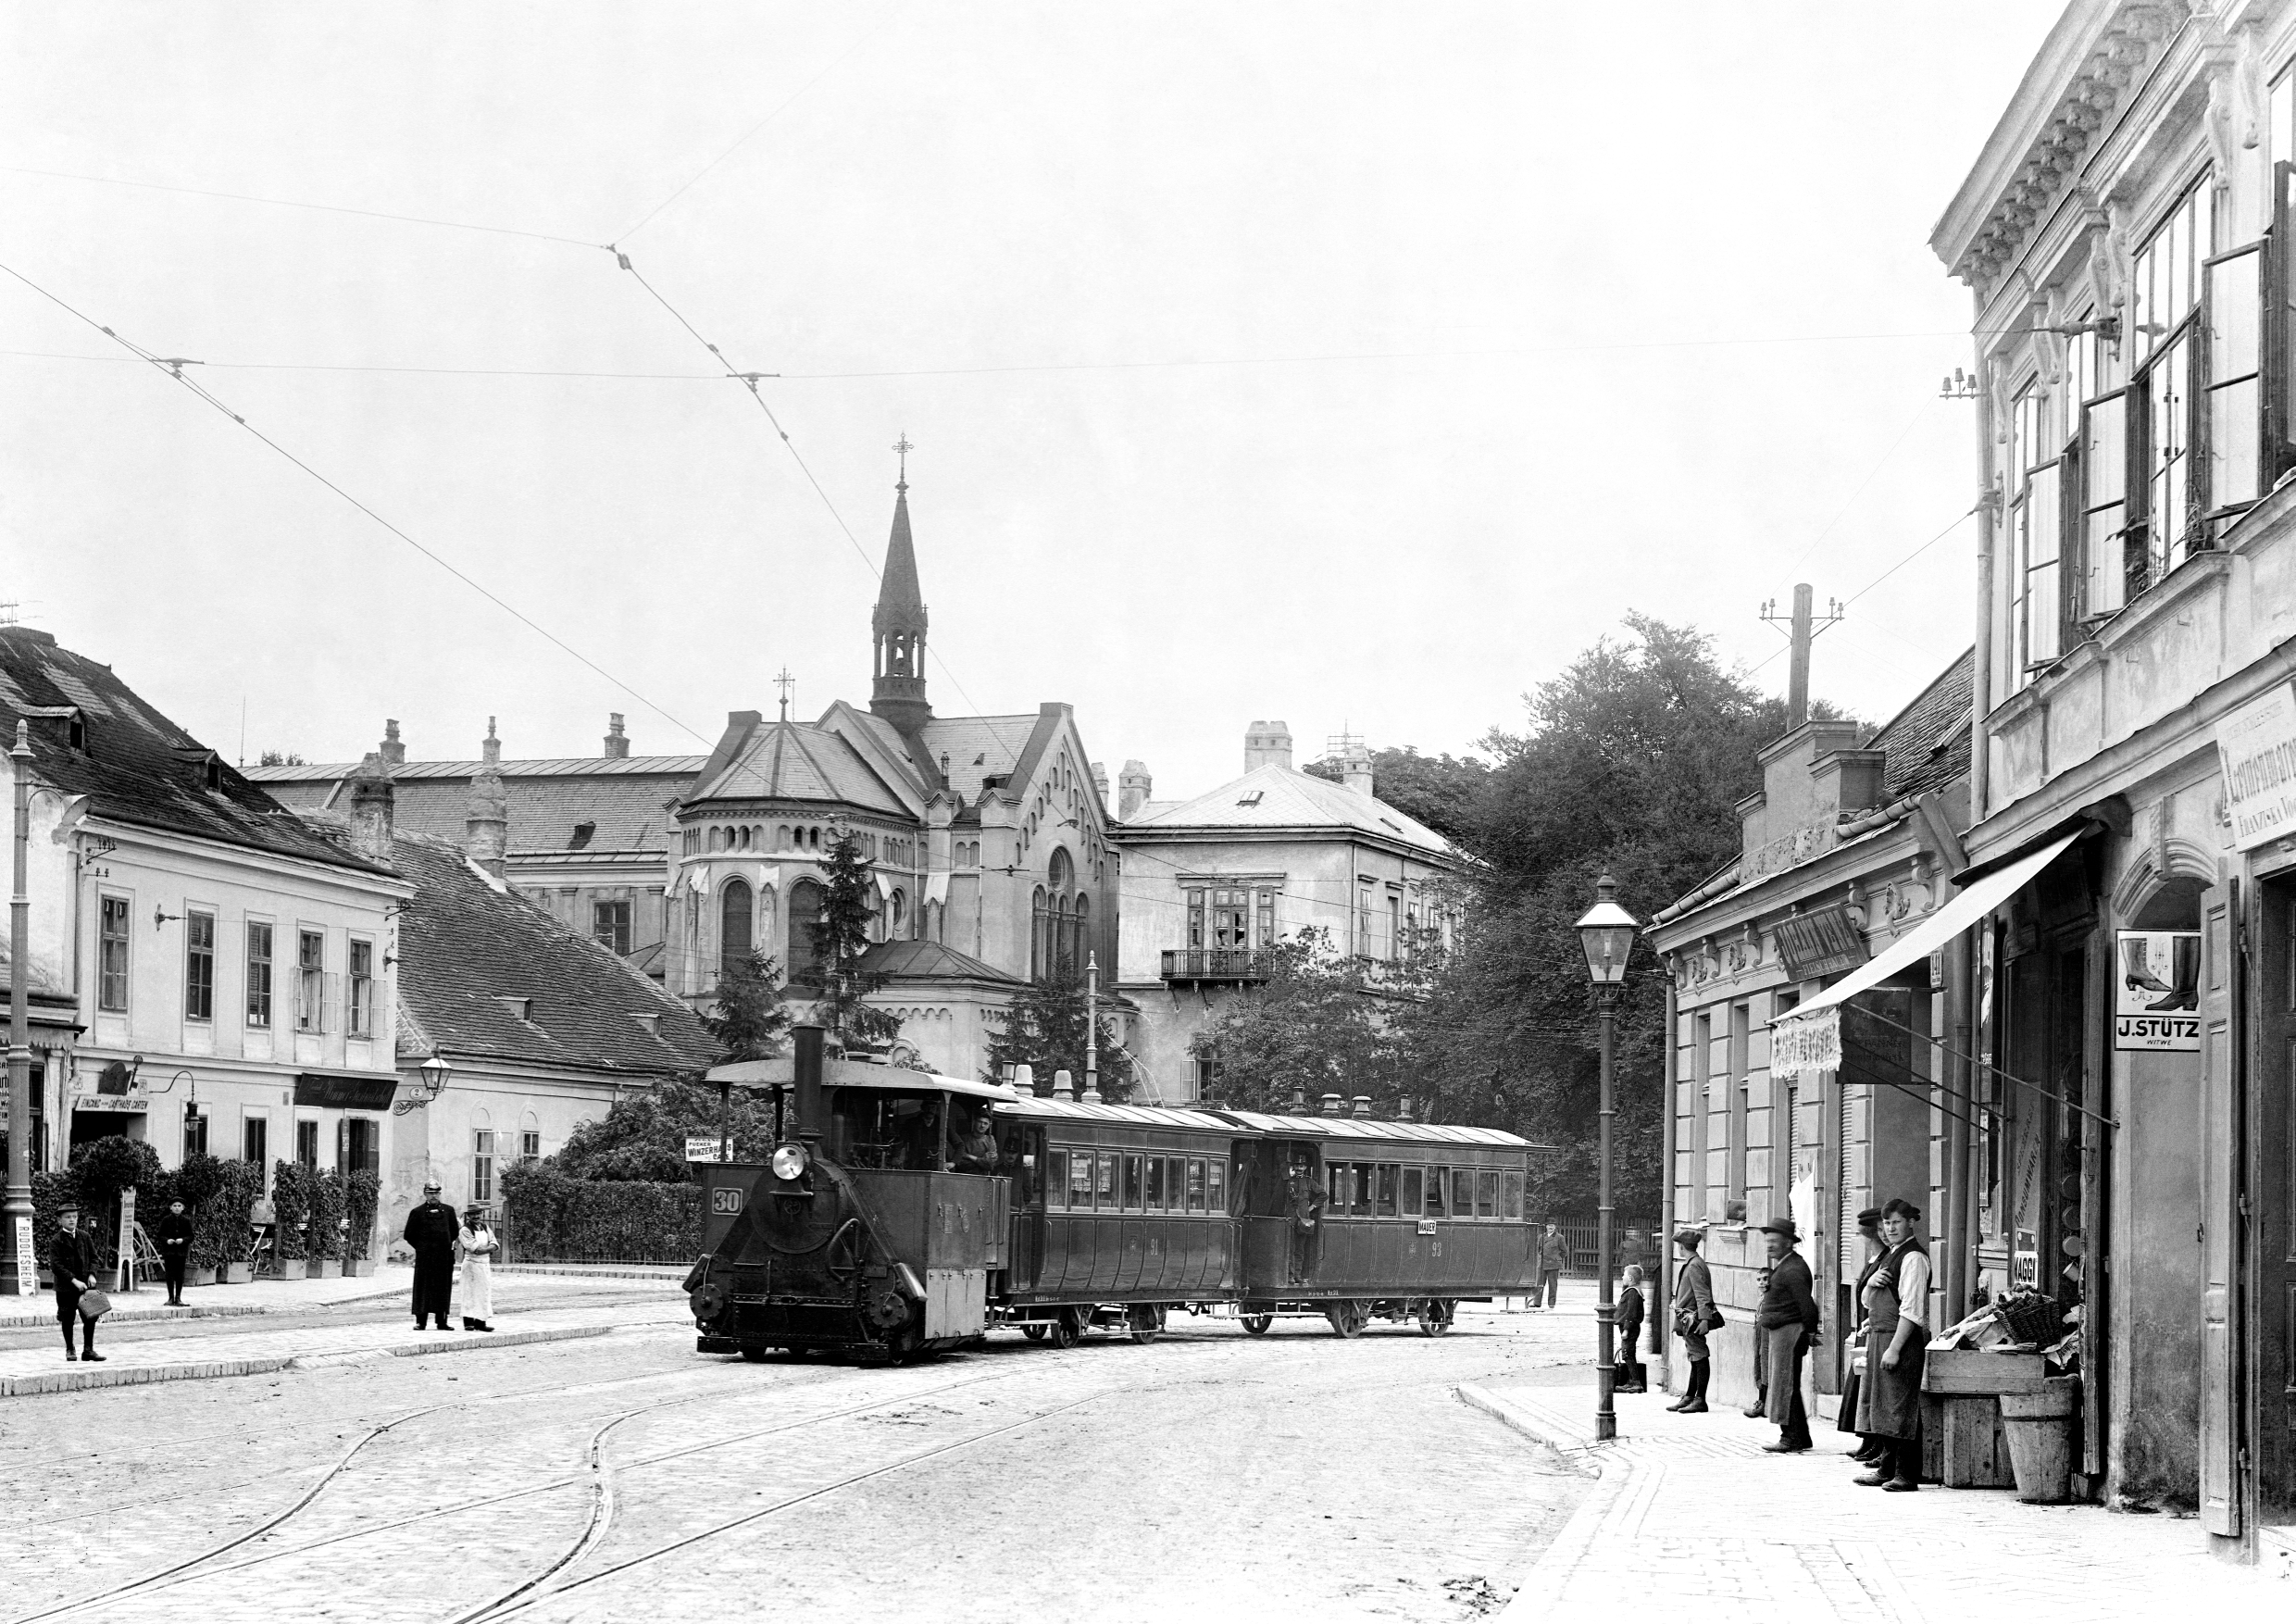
(1821, 944)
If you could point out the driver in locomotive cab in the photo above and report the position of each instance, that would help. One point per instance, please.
(976, 1147)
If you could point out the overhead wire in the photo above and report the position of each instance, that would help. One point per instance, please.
(1877, 580)
(175, 370)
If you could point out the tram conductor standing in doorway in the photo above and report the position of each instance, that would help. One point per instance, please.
(430, 1231)
(1303, 1200)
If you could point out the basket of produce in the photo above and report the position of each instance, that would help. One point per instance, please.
(2029, 1316)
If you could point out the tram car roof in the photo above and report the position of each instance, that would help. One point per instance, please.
(1153, 1116)
(781, 1071)
(1370, 1128)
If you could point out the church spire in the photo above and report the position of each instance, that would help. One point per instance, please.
(898, 626)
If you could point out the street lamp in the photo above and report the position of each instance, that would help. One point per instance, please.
(429, 1082)
(1607, 932)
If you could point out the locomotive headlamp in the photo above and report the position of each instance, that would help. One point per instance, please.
(789, 1160)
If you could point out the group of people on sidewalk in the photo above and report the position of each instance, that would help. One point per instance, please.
(1881, 1399)
(441, 1244)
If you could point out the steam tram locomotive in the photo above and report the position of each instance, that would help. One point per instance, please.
(903, 1213)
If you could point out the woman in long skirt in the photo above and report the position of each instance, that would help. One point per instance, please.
(475, 1247)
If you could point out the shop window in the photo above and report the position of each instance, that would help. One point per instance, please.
(258, 974)
(112, 956)
(358, 1005)
(198, 965)
(609, 922)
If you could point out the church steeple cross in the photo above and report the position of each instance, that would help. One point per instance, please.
(903, 447)
(788, 685)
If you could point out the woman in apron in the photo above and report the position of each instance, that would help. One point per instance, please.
(1896, 1301)
(475, 1247)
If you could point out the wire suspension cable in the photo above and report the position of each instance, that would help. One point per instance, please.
(175, 370)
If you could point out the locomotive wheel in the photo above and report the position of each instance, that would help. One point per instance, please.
(1033, 1332)
(1147, 1323)
(1435, 1316)
(1258, 1324)
(1348, 1318)
(1066, 1327)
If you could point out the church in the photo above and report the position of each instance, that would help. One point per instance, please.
(987, 838)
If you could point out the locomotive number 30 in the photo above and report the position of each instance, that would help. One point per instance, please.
(725, 1201)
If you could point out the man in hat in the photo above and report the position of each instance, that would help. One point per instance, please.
(1303, 1200)
(174, 1236)
(1869, 1230)
(72, 1264)
(1553, 1257)
(1786, 1319)
(430, 1231)
(1896, 1299)
(1693, 1315)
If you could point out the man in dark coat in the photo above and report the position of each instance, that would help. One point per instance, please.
(71, 1262)
(174, 1235)
(1694, 1317)
(1304, 1200)
(1785, 1318)
(430, 1231)
(1869, 1230)
(1553, 1257)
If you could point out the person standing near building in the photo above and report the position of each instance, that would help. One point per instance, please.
(1786, 1321)
(1303, 1200)
(1897, 1344)
(1553, 1257)
(1761, 1405)
(72, 1267)
(174, 1236)
(474, 1243)
(1694, 1317)
(1633, 1376)
(430, 1231)
(1869, 1230)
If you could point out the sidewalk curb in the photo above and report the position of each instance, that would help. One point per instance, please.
(1536, 1593)
(662, 1271)
(80, 1379)
(137, 1315)
(1569, 1451)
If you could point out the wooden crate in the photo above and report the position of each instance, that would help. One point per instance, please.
(1967, 1370)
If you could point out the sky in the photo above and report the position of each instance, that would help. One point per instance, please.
(1351, 365)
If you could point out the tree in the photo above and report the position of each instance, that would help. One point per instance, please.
(281, 758)
(1632, 764)
(642, 1136)
(1321, 1023)
(840, 936)
(748, 1017)
(1043, 1029)
(1440, 790)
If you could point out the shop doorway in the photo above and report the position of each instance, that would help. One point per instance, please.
(2268, 1168)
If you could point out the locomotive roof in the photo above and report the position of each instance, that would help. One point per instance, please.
(1366, 1127)
(1153, 1115)
(781, 1069)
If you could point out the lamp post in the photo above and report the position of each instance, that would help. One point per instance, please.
(17, 1206)
(1092, 1026)
(1607, 932)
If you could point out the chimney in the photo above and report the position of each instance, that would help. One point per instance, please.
(1363, 1105)
(1333, 1105)
(1267, 744)
(1024, 1079)
(371, 798)
(486, 831)
(1356, 767)
(1063, 1087)
(394, 753)
(616, 742)
(1403, 1108)
(1099, 779)
(1132, 788)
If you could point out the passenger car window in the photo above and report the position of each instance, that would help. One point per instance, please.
(1412, 1182)
(1390, 1174)
(1156, 1184)
(1131, 1182)
(1487, 1194)
(1463, 1192)
(1056, 1179)
(1107, 1183)
(1338, 1177)
(1215, 1176)
(1195, 1185)
(1437, 1178)
(1511, 1200)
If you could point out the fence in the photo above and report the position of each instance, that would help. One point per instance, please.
(1586, 1251)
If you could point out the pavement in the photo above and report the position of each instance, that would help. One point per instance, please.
(268, 1326)
(1689, 1517)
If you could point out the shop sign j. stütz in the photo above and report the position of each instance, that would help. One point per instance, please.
(2156, 991)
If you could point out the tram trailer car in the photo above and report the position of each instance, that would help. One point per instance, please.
(854, 1236)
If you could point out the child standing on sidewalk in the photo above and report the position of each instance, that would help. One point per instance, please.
(1633, 1376)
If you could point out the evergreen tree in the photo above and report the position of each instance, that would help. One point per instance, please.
(839, 937)
(1043, 1029)
(748, 1017)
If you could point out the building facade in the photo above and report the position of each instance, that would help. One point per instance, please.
(2125, 234)
(1847, 847)
(1211, 885)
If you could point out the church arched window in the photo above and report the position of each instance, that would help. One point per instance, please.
(1037, 929)
(804, 912)
(897, 915)
(1083, 931)
(734, 920)
(1061, 876)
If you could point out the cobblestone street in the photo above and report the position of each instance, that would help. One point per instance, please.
(621, 1476)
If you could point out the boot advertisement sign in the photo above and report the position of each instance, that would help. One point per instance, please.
(2156, 991)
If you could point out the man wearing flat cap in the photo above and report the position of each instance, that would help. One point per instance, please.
(430, 1231)
(1786, 1319)
(71, 1264)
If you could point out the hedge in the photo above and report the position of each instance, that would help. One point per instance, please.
(219, 1231)
(549, 1218)
(362, 1195)
(290, 1199)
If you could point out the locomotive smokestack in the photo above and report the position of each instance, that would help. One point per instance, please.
(812, 1111)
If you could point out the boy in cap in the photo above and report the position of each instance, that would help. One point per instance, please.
(1632, 1376)
(430, 1231)
(1693, 1314)
(72, 1264)
(174, 1235)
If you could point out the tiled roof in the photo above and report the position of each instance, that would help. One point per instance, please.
(790, 761)
(977, 748)
(1925, 747)
(467, 950)
(627, 811)
(327, 773)
(1277, 797)
(137, 766)
(910, 961)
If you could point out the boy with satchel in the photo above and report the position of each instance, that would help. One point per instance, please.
(69, 1262)
(1694, 1316)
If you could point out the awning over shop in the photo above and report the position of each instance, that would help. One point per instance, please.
(1810, 1039)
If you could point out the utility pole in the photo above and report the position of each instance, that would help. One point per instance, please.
(1802, 630)
(21, 1277)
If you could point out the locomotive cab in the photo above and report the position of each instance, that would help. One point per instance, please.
(875, 1226)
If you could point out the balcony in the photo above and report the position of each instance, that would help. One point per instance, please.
(1220, 964)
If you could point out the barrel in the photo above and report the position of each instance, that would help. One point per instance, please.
(2039, 1426)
